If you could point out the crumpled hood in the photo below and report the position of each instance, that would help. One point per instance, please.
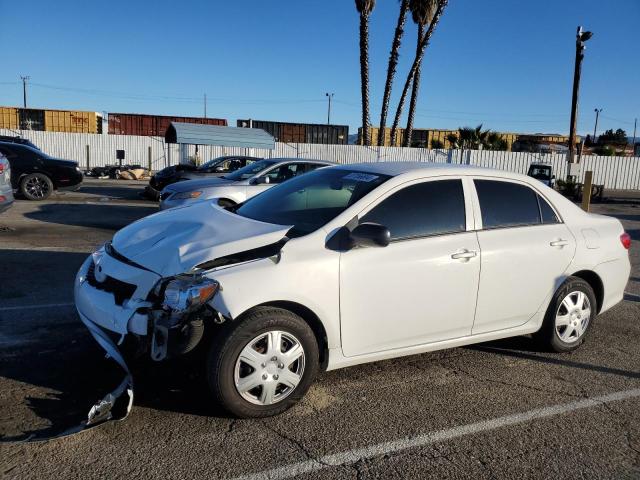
(190, 185)
(174, 241)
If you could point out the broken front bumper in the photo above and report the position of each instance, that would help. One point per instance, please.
(100, 312)
(105, 409)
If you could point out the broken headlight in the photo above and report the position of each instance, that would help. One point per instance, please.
(183, 294)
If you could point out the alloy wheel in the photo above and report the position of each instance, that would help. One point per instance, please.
(37, 187)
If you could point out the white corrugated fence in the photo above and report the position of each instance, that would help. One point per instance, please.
(614, 172)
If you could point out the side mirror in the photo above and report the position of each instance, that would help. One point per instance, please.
(371, 235)
(260, 180)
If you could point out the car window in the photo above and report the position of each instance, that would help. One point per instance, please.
(309, 201)
(310, 167)
(429, 208)
(506, 204)
(285, 172)
(540, 173)
(546, 212)
(249, 170)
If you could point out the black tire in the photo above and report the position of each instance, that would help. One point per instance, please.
(36, 186)
(226, 203)
(230, 341)
(548, 335)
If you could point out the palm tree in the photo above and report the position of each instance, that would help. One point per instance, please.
(472, 138)
(416, 62)
(365, 7)
(391, 69)
(422, 12)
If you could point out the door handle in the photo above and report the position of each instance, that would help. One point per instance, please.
(559, 243)
(464, 254)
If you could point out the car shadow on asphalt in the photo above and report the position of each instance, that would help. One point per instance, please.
(69, 376)
(52, 371)
(110, 216)
(121, 193)
(527, 348)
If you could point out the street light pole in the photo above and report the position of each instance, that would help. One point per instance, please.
(329, 96)
(581, 37)
(24, 89)
(595, 127)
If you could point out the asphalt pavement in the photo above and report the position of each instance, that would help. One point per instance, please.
(497, 410)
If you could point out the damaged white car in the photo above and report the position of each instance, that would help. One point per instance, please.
(350, 264)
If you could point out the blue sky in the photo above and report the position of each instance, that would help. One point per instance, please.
(505, 63)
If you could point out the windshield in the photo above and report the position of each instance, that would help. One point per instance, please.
(249, 170)
(310, 201)
(540, 172)
(212, 162)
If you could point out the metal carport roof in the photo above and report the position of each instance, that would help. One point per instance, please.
(195, 134)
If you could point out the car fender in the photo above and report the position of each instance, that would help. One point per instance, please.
(299, 274)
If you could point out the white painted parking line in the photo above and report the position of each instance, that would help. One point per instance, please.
(631, 296)
(30, 307)
(353, 456)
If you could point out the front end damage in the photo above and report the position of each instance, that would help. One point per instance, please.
(164, 318)
(149, 285)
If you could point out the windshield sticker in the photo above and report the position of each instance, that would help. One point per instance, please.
(360, 177)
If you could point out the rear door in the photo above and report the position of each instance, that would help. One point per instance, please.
(525, 249)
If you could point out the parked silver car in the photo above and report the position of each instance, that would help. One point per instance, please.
(6, 191)
(238, 186)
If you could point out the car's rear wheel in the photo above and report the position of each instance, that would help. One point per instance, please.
(36, 186)
(262, 364)
(569, 316)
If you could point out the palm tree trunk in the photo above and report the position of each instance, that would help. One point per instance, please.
(416, 62)
(364, 75)
(414, 93)
(391, 69)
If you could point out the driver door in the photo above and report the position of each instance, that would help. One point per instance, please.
(422, 287)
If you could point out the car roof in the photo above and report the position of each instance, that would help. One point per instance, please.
(299, 160)
(399, 168)
(412, 170)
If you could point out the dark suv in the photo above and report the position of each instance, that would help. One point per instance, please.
(35, 174)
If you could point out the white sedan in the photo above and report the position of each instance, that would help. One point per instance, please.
(352, 264)
(238, 186)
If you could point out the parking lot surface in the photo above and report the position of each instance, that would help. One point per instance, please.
(498, 410)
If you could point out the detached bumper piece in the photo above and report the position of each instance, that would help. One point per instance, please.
(117, 404)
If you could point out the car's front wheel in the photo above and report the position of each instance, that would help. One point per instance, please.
(36, 186)
(263, 363)
(569, 316)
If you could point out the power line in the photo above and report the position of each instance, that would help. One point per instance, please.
(175, 98)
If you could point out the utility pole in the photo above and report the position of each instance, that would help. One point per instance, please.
(329, 96)
(205, 105)
(24, 89)
(595, 127)
(581, 37)
(633, 143)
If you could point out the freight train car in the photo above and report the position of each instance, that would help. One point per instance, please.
(152, 125)
(70, 121)
(301, 132)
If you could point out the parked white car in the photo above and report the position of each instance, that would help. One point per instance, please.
(240, 185)
(352, 264)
